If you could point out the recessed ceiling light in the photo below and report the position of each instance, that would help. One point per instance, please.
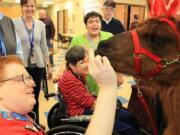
(47, 2)
(44, 6)
(17, 1)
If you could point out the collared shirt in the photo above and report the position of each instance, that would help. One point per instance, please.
(40, 50)
(17, 124)
(114, 26)
(19, 52)
(107, 21)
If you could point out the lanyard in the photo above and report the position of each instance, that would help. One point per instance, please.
(12, 116)
(31, 39)
(15, 116)
(78, 77)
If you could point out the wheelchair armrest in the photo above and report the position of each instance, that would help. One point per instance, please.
(77, 118)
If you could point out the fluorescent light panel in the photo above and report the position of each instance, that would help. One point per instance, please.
(17, 1)
(47, 2)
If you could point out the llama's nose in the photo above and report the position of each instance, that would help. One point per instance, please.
(102, 48)
(103, 45)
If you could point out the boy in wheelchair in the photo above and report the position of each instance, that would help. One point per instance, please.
(79, 100)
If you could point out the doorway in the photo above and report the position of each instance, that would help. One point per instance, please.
(125, 13)
(62, 21)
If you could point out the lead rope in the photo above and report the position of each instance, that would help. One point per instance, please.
(146, 109)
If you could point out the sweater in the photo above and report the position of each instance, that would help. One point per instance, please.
(75, 94)
(41, 52)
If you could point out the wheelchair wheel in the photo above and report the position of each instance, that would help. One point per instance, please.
(54, 117)
(67, 130)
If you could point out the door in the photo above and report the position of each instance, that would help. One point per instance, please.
(121, 13)
(139, 11)
(125, 13)
(62, 21)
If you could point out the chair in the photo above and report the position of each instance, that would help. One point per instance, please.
(45, 84)
(66, 130)
(64, 39)
(58, 115)
(60, 122)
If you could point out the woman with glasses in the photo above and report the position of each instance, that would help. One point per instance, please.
(33, 39)
(16, 98)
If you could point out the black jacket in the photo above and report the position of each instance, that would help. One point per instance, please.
(114, 26)
(8, 33)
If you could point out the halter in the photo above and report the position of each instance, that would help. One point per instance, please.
(161, 63)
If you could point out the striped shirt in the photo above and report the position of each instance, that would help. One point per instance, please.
(75, 94)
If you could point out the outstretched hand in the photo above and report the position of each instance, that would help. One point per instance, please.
(101, 70)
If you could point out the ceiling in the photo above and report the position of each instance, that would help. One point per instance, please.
(39, 2)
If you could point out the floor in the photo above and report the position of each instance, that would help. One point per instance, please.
(45, 105)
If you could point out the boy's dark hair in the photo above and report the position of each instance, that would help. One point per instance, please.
(74, 55)
(24, 2)
(91, 14)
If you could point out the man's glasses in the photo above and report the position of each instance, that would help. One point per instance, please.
(24, 78)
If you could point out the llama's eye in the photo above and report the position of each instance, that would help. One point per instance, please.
(158, 40)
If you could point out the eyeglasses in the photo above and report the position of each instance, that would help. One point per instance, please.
(24, 78)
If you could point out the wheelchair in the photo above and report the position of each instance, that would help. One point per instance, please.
(66, 130)
(60, 123)
(64, 40)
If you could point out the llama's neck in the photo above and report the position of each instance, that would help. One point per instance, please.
(170, 97)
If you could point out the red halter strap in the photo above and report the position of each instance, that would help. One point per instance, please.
(137, 57)
(161, 63)
(138, 50)
(173, 27)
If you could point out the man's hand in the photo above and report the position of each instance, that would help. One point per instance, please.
(49, 72)
(56, 77)
(120, 79)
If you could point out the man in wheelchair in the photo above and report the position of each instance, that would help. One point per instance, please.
(78, 99)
